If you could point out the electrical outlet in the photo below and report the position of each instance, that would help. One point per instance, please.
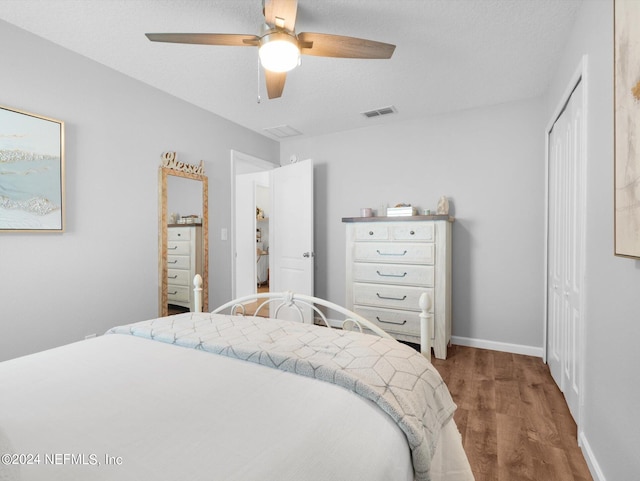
(223, 234)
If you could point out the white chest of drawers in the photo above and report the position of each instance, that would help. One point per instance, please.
(391, 261)
(184, 260)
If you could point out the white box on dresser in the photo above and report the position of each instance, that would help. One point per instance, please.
(184, 261)
(390, 262)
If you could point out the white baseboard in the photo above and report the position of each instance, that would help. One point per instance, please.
(332, 322)
(479, 343)
(498, 346)
(590, 458)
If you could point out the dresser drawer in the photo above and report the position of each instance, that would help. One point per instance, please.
(394, 297)
(392, 321)
(178, 293)
(178, 262)
(397, 253)
(178, 248)
(179, 277)
(371, 231)
(393, 274)
(410, 231)
(179, 233)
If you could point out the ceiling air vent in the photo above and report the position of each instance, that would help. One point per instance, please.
(378, 112)
(282, 131)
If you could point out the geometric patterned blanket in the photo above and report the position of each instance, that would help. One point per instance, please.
(394, 376)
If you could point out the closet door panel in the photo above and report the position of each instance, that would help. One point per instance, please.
(566, 237)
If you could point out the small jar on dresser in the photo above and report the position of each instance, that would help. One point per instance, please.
(391, 261)
(184, 261)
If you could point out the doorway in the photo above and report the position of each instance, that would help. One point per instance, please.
(289, 223)
(250, 185)
(263, 210)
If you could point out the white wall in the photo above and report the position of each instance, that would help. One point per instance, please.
(611, 428)
(490, 163)
(57, 288)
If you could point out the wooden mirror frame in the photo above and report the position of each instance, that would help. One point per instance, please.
(163, 269)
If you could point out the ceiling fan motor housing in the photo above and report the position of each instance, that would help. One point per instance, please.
(279, 50)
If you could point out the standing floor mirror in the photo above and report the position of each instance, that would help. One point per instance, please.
(183, 235)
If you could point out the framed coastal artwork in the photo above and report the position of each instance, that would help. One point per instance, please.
(627, 128)
(31, 172)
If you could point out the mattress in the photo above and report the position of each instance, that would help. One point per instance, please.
(126, 408)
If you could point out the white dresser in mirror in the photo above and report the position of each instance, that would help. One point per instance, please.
(184, 261)
(390, 262)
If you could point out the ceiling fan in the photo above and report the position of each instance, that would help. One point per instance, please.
(279, 45)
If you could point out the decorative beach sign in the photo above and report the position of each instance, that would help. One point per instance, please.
(31, 172)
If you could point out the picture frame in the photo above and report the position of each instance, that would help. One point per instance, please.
(32, 172)
(626, 125)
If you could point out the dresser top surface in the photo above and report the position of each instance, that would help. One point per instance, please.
(400, 218)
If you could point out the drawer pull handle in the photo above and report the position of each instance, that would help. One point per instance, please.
(391, 298)
(172, 248)
(173, 277)
(391, 322)
(173, 293)
(391, 275)
(412, 233)
(391, 253)
(370, 232)
(172, 262)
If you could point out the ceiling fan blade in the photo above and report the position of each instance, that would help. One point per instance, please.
(275, 83)
(326, 45)
(226, 39)
(281, 13)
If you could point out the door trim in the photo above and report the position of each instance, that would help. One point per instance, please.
(579, 75)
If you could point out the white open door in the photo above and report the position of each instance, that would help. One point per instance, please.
(291, 255)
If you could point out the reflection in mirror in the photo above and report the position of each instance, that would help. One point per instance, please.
(183, 239)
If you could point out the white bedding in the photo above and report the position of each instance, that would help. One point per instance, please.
(394, 376)
(162, 412)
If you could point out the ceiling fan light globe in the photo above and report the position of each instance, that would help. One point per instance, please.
(279, 52)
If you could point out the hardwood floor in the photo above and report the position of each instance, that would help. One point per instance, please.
(514, 421)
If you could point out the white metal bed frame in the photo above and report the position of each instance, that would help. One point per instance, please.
(297, 302)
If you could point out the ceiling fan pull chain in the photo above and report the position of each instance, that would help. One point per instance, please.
(259, 98)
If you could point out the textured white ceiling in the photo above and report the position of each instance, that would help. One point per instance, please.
(450, 54)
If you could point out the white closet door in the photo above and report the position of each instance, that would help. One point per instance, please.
(556, 220)
(566, 249)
